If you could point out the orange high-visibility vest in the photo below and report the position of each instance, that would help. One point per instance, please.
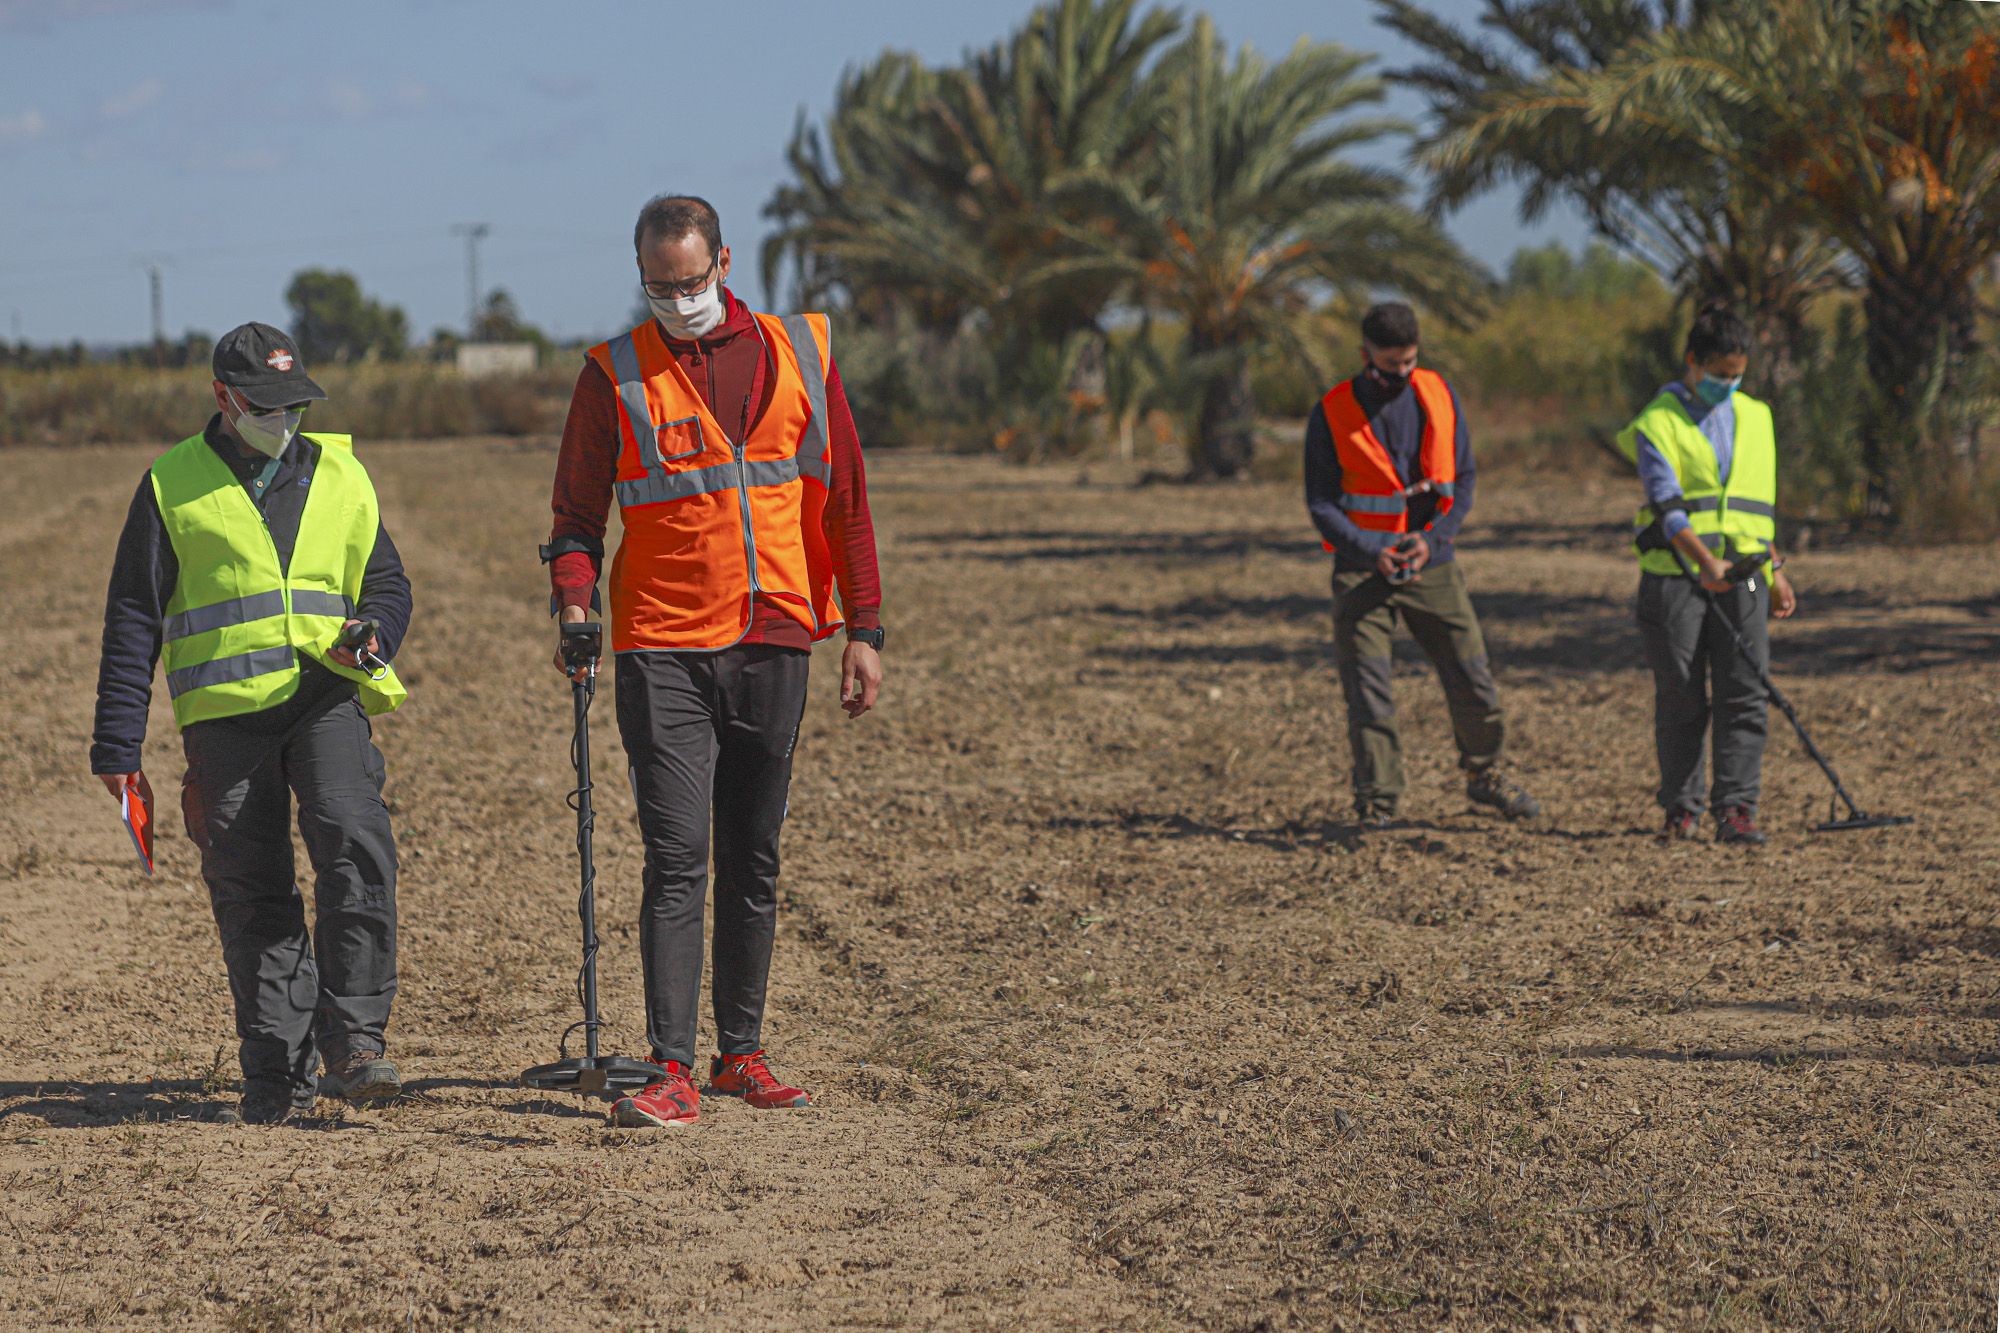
(712, 523)
(1370, 491)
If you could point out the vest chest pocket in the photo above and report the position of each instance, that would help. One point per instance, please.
(678, 441)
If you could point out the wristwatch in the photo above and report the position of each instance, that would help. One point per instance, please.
(872, 637)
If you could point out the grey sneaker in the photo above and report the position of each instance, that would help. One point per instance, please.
(361, 1076)
(267, 1104)
(1373, 812)
(1486, 787)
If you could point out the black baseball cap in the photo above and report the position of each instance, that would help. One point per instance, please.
(263, 364)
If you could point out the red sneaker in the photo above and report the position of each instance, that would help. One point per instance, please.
(670, 1102)
(748, 1077)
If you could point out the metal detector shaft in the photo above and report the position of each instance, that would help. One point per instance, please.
(586, 901)
(590, 1072)
(1770, 686)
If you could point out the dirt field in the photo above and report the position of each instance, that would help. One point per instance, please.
(1113, 1022)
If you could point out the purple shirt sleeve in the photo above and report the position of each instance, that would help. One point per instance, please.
(1661, 484)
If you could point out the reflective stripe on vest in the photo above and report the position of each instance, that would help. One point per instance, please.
(1733, 518)
(1373, 494)
(243, 610)
(221, 671)
(237, 620)
(713, 524)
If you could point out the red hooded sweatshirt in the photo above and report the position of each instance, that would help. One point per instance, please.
(728, 367)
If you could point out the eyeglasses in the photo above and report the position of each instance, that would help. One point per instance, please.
(669, 291)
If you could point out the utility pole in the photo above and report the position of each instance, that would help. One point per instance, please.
(153, 264)
(474, 233)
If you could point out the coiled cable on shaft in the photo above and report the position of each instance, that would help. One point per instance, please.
(586, 821)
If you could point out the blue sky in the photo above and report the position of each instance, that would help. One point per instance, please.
(238, 141)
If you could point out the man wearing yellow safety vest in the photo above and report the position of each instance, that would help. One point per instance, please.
(252, 554)
(1389, 477)
(1707, 458)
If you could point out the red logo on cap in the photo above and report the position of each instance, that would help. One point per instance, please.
(280, 360)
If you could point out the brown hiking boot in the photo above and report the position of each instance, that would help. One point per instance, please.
(361, 1076)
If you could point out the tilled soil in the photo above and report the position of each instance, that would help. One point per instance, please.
(1111, 1019)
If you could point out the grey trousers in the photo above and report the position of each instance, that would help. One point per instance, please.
(710, 738)
(1702, 682)
(1438, 611)
(297, 997)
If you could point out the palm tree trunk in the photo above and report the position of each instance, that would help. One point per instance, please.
(1922, 329)
(1225, 433)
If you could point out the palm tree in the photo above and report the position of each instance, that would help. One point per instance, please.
(1248, 217)
(933, 189)
(1879, 122)
(1520, 111)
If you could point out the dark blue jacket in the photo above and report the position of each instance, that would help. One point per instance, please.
(1398, 420)
(145, 571)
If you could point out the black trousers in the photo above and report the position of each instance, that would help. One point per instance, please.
(710, 738)
(1701, 682)
(297, 997)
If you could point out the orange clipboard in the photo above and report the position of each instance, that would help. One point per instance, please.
(138, 823)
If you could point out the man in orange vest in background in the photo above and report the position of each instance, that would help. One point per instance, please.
(725, 436)
(1389, 478)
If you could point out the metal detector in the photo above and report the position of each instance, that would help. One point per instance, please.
(1744, 571)
(581, 647)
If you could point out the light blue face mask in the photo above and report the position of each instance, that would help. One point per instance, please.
(1713, 390)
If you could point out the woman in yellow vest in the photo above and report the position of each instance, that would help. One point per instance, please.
(250, 552)
(1707, 458)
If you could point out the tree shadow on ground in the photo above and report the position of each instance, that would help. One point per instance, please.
(74, 1104)
(71, 1104)
(1034, 545)
(1291, 836)
(1908, 943)
(1561, 635)
(1866, 1007)
(1781, 1057)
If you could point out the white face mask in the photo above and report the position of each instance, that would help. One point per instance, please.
(689, 317)
(267, 432)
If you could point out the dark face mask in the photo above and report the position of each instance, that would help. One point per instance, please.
(1390, 383)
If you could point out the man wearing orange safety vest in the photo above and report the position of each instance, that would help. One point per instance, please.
(726, 439)
(1389, 476)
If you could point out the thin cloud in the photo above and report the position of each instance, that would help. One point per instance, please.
(251, 161)
(23, 127)
(41, 16)
(133, 100)
(562, 87)
(351, 101)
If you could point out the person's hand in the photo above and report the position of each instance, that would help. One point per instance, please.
(1416, 553)
(1394, 565)
(860, 678)
(571, 615)
(1784, 602)
(1715, 575)
(116, 783)
(347, 657)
